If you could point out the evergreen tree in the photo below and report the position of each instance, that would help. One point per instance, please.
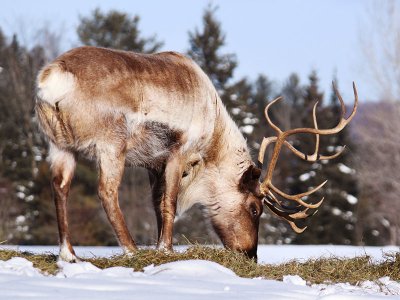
(240, 103)
(262, 92)
(23, 169)
(115, 30)
(293, 92)
(304, 175)
(205, 49)
(335, 220)
(19, 139)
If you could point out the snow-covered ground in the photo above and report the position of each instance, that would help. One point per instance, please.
(184, 279)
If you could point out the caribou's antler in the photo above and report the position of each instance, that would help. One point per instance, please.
(266, 187)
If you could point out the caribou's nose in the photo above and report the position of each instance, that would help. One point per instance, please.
(251, 254)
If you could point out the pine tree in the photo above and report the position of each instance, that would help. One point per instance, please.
(238, 98)
(293, 92)
(342, 188)
(19, 139)
(206, 47)
(262, 92)
(334, 222)
(24, 154)
(115, 30)
(22, 148)
(205, 50)
(303, 174)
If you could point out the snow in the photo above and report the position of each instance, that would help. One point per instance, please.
(306, 176)
(191, 279)
(345, 169)
(235, 111)
(351, 199)
(18, 266)
(20, 220)
(248, 129)
(385, 222)
(20, 195)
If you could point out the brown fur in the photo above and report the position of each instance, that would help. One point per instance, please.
(53, 124)
(169, 71)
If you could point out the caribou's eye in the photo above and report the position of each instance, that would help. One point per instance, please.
(254, 211)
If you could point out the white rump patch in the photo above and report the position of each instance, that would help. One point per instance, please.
(56, 86)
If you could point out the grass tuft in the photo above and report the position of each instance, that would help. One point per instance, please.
(47, 263)
(314, 271)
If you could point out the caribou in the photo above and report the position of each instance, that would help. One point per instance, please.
(161, 112)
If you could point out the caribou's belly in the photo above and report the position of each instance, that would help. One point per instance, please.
(150, 143)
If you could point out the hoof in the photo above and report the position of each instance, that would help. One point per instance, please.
(71, 258)
(130, 253)
(163, 248)
(68, 256)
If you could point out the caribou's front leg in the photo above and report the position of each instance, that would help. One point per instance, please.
(111, 168)
(157, 184)
(167, 205)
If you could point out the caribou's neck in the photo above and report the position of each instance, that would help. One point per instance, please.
(228, 149)
(226, 158)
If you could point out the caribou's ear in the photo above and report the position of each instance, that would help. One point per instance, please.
(249, 179)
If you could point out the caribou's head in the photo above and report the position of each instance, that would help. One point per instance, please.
(236, 217)
(237, 222)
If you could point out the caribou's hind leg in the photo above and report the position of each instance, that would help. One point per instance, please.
(62, 167)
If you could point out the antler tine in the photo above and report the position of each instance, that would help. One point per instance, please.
(285, 216)
(298, 198)
(343, 107)
(276, 128)
(296, 228)
(272, 197)
(315, 155)
(342, 123)
(264, 145)
(300, 214)
(297, 212)
(355, 101)
(316, 127)
(311, 158)
(290, 214)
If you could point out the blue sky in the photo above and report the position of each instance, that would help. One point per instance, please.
(273, 37)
